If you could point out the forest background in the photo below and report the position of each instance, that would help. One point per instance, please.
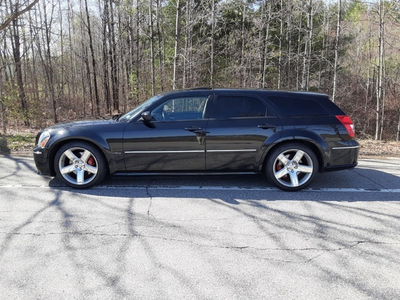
(73, 59)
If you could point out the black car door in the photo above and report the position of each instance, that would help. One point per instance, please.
(237, 129)
(173, 141)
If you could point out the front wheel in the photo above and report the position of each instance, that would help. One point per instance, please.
(291, 167)
(80, 165)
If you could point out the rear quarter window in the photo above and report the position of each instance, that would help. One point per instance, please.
(293, 106)
(237, 107)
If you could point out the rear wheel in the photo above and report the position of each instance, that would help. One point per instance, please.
(80, 165)
(291, 167)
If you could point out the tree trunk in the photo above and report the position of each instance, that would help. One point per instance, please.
(96, 91)
(113, 61)
(266, 43)
(160, 43)
(2, 110)
(398, 128)
(153, 80)
(243, 46)
(105, 71)
(337, 39)
(18, 70)
(307, 49)
(48, 62)
(212, 43)
(280, 47)
(177, 38)
(379, 94)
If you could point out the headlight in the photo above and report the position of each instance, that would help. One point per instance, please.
(43, 139)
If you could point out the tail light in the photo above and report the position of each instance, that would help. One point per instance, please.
(348, 124)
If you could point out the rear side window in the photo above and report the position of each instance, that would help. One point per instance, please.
(237, 107)
(291, 106)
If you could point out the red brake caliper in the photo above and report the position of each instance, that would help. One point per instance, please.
(280, 167)
(91, 161)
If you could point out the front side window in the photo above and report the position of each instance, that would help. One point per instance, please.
(226, 107)
(187, 108)
(135, 112)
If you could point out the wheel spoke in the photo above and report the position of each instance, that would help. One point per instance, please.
(67, 169)
(70, 155)
(294, 179)
(91, 169)
(298, 156)
(305, 169)
(281, 173)
(85, 156)
(283, 159)
(80, 178)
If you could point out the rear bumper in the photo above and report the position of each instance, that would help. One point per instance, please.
(339, 168)
(41, 157)
(343, 156)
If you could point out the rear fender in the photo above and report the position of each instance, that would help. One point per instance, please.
(306, 137)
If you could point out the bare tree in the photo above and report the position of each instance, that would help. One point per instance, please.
(16, 45)
(152, 59)
(307, 47)
(212, 43)
(94, 64)
(177, 38)
(379, 79)
(337, 39)
(16, 13)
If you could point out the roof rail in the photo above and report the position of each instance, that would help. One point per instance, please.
(200, 88)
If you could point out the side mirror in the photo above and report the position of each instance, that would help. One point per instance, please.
(116, 117)
(146, 116)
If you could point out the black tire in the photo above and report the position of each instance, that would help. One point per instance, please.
(291, 167)
(80, 165)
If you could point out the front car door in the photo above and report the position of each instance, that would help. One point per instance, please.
(173, 141)
(238, 127)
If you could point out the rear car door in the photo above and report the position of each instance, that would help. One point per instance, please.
(238, 127)
(173, 141)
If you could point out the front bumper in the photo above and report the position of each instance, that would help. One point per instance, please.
(42, 161)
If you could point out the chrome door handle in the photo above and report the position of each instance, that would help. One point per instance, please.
(193, 128)
(267, 126)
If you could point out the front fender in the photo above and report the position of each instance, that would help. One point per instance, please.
(107, 138)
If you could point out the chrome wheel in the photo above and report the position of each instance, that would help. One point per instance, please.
(78, 166)
(291, 167)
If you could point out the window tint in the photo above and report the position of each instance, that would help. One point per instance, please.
(299, 106)
(188, 108)
(237, 107)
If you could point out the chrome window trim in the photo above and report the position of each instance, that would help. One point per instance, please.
(189, 151)
(160, 152)
(237, 150)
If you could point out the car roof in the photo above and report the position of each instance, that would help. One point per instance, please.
(249, 91)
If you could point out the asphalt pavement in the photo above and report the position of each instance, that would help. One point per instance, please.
(200, 237)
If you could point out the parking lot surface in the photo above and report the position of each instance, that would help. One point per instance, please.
(200, 237)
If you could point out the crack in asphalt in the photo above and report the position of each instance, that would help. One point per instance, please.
(150, 198)
(363, 176)
(325, 250)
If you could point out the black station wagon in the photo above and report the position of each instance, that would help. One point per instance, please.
(288, 136)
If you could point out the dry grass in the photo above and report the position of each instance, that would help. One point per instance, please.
(371, 148)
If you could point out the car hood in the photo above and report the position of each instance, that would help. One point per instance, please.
(75, 124)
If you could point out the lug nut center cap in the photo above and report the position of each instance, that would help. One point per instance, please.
(79, 164)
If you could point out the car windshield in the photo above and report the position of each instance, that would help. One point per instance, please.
(133, 113)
